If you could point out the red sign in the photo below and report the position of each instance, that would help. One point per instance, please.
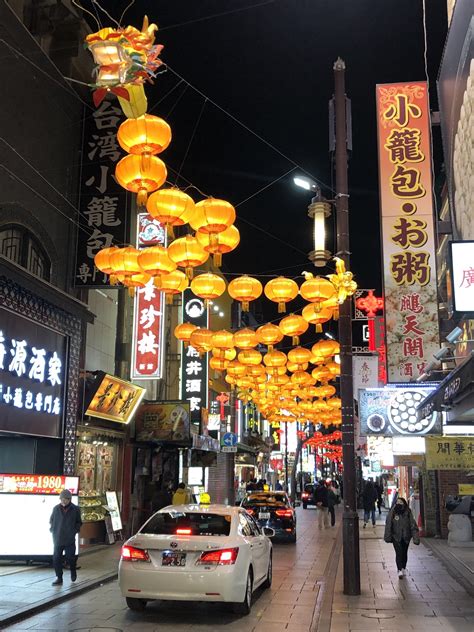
(37, 484)
(148, 311)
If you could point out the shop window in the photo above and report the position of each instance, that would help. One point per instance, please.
(18, 244)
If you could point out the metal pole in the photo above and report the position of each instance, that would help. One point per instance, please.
(350, 517)
(286, 455)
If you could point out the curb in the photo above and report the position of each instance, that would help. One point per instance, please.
(322, 614)
(450, 566)
(39, 606)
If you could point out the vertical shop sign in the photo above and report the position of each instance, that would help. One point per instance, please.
(194, 369)
(148, 310)
(103, 202)
(404, 145)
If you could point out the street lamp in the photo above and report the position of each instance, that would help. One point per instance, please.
(318, 210)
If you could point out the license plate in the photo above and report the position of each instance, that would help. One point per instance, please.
(264, 516)
(173, 558)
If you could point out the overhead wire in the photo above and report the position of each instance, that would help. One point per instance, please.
(196, 125)
(94, 17)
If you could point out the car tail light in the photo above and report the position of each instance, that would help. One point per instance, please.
(305, 495)
(183, 531)
(284, 513)
(250, 511)
(221, 557)
(132, 554)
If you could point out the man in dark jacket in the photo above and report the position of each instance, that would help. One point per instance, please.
(65, 523)
(369, 498)
(400, 528)
(321, 501)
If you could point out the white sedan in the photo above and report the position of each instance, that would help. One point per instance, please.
(197, 553)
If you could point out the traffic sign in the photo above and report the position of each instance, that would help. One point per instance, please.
(229, 439)
(229, 448)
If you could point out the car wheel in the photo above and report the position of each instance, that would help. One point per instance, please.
(293, 538)
(305, 506)
(268, 582)
(136, 604)
(245, 606)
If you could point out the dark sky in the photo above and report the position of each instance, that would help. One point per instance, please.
(270, 66)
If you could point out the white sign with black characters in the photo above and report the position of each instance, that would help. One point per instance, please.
(462, 256)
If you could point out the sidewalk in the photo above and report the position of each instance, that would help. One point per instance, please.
(429, 598)
(27, 589)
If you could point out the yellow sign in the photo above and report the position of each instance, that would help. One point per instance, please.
(466, 489)
(449, 453)
(115, 400)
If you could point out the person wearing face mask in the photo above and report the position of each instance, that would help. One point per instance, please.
(65, 523)
(400, 529)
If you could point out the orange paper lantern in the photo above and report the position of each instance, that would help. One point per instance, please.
(187, 253)
(183, 332)
(245, 289)
(170, 284)
(141, 175)
(245, 339)
(208, 286)
(220, 244)
(146, 134)
(294, 326)
(155, 261)
(281, 290)
(171, 207)
(212, 216)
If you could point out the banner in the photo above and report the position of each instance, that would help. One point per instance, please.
(365, 372)
(102, 214)
(462, 275)
(443, 453)
(411, 308)
(114, 399)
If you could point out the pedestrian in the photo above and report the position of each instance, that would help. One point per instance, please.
(182, 496)
(259, 485)
(65, 523)
(400, 528)
(369, 498)
(333, 500)
(278, 487)
(251, 485)
(321, 501)
(379, 490)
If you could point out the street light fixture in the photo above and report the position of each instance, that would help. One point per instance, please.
(318, 210)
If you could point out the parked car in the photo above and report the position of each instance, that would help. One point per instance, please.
(273, 509)
(307, 496)
(197, 553)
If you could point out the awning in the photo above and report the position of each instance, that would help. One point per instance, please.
(452, 390)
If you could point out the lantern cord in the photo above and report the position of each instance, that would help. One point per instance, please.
(125, 10)
(196, 125)
(97, 4)
(251, 131)
(94, 17)
(265, 187)
(218, 15)
(176, 102)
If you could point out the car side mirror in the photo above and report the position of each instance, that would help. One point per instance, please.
(268, 531)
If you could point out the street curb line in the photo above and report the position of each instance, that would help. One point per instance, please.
(450, 566)
(322, 614)
(39, 606)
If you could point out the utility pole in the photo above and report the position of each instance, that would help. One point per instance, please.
(350, 518)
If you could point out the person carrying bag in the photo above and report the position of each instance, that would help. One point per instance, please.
(400, 529)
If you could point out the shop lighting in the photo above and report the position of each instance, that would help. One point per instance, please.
(328, 335)
(221, 314)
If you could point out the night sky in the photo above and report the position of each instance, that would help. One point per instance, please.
(270, 67)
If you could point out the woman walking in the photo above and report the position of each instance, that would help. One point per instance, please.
(369, 498)
(400, 528)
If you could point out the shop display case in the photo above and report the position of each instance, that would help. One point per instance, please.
(92, 504)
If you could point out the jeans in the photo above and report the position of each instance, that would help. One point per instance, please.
(370, 512)
(323, 516)
(332, 513)
(401, 553)
(70, 554)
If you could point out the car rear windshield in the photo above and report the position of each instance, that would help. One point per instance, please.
(181, 523)
(266, 499)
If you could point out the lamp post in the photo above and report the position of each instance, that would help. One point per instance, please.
(350, 518)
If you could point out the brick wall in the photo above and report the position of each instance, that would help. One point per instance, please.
(448, 485)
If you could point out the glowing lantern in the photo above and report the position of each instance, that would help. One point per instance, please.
(201, 339)
(335, 403)
(222, 339)
(281, 290)
(275, 370)
(327, 390)
(334, 368)
(141, 175)
(275, 359)
(293, 366)
(326, 348)
(299, 355)
(220, 244)
(124, 262)
(245, 339)
(135, 280)
(208, 286)
(316, 316)
(171, 207)
(301, 378)
(102, 261)
(187, 253)
(146, 134)
(155, 261)
(249, 357)
(293, 326)
(321, 374)
(245, 289)
(230, 379)
(269, 335)
(256, 371)
(183, 332)
(224, 354)
(170, 284)
(218, 364)
(280, 380)
(236, 369)
(317, 290)
(212, 216)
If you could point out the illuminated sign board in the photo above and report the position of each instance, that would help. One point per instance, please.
(32, 374)
(162, 421)
(406, 203)
(114, 399)
(392, 411)
(462, 261)
(37, 484)
(194, 369)
(148, 311)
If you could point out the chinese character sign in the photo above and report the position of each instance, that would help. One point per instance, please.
(148, 311)
(194, 367)
(114, 399)
(450, 453)
(103, 202)
(407, 229)
(462, 257)
(37, 484)
(33, 362)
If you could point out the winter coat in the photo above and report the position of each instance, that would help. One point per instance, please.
(369, 497)
(333, 497)
(181, 497)
(400, 527)
(321, 495)
(65, 523)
